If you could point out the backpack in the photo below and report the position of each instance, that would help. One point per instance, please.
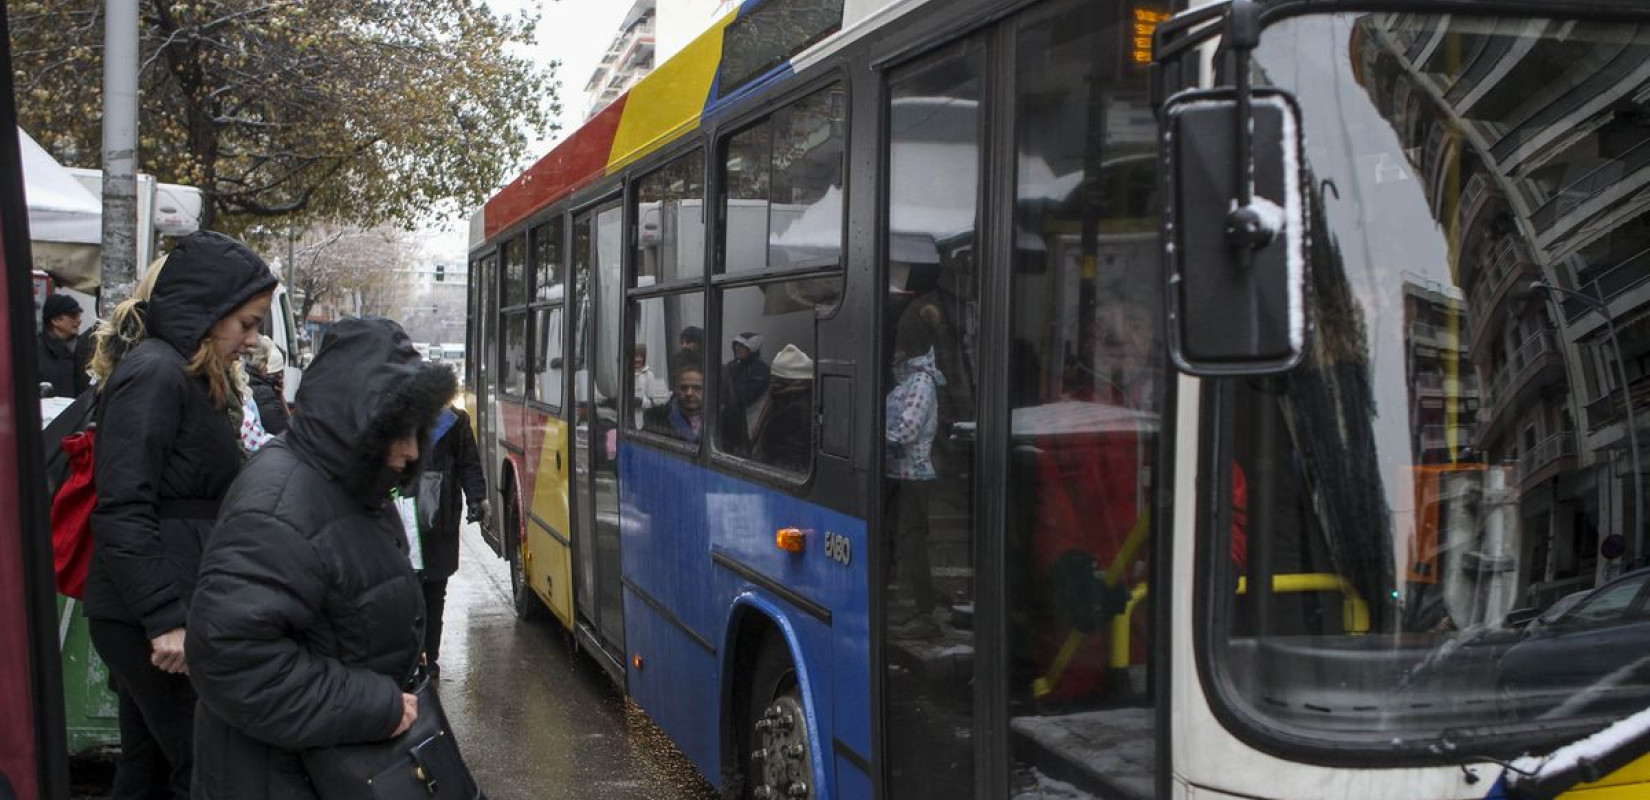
(69, 471)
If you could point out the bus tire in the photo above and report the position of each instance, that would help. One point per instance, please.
(528, 606)
(778, 754)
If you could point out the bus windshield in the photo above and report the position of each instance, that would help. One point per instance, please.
(1462, 446)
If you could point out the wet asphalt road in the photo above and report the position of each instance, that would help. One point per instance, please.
(536, 720)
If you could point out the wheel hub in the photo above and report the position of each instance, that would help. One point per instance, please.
(781, 748)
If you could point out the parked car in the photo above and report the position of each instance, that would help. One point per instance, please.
(1592, 655)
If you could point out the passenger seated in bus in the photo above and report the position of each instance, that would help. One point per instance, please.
(784, 433)
(682, 417)
(912, 419)
(747, 376)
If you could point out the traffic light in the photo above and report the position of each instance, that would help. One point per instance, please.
(440, 272)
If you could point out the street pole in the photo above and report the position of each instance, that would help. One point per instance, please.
(120, 118)
(1597, 303)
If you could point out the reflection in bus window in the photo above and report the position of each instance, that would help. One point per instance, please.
(928, 359)
(548, 356)
(670, 222)
(547, 255)
(515, 354)
(1461, 447)
(513, 277)
(668, 333)
(764, 327)
(1086, 387)
(783, 178)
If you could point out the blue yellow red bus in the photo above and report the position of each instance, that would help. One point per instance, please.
(1064, 398)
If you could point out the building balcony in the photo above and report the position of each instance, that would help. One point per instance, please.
(1551, 456)
(1608, 283)
(1507, 275)
(1537, 363)
(1602, 411)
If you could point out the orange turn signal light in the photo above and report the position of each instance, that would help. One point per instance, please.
(791, 540)
(636, 660)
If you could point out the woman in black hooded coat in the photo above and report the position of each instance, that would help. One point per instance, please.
(307, 616)
(166, 451)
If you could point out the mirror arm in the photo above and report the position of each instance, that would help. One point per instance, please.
(1246, 231)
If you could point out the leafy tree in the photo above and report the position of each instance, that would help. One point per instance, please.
(362, 112)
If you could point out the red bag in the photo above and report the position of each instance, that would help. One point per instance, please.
(72, 516)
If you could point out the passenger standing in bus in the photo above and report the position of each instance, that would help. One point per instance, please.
(166, 453)
(911, 420)
(747, 373)
(784, 434)
(58, 364)
(651, 390)
(453, 456)
(308, 617)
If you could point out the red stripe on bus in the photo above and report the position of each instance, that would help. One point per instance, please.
(578, 160)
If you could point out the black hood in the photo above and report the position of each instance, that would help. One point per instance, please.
(207, 275)
(366, 386)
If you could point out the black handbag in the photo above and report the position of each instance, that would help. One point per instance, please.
(421, 764)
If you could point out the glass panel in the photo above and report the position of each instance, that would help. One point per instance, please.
(514, 289)
(1086, 381)
(1462, 447)
(670, 339)
(547, 255)
(670, 214)
(765, 409)
(784, 187)
(548, 356)
(584, 551)
(929, 352)
(515, 354)
(604, 423)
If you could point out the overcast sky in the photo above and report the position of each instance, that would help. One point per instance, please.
(577, 32)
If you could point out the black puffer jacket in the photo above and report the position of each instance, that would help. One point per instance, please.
(308, 615)
(454, 456)
(272, 411)
(165, 455)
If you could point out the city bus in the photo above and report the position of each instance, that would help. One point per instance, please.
(1093, 398)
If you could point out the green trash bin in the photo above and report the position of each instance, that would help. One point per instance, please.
(89, 705)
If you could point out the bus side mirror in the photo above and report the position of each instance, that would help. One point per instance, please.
(1236, 268)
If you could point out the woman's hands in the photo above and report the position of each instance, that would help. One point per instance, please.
(409, 712)
(167, 654)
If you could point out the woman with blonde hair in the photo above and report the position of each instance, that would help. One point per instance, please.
(168, 412)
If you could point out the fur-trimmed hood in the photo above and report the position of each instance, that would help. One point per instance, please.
(366, 387)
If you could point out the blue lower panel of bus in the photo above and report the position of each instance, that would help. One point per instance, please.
(699, 551)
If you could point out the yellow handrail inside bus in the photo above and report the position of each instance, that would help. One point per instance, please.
(1354, 610)
(1354, 619)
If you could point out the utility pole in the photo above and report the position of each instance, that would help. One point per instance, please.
(120, 117)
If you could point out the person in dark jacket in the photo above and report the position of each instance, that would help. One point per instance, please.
(455, 458)
(784, 436)
(266, 374)
(308, 617)
(167, 415)
(59, 331)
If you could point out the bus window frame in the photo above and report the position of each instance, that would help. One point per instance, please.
(553, 219)
(719, 281)
(507, 313)
(634, 295)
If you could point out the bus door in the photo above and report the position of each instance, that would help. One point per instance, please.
(597, 305)
(484, 359)
(1023, 388)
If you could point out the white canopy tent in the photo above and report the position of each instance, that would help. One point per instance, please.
(65, 220)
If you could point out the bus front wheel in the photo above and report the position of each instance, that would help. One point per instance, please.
(779, 757)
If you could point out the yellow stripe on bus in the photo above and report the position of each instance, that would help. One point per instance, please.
(670, 100)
